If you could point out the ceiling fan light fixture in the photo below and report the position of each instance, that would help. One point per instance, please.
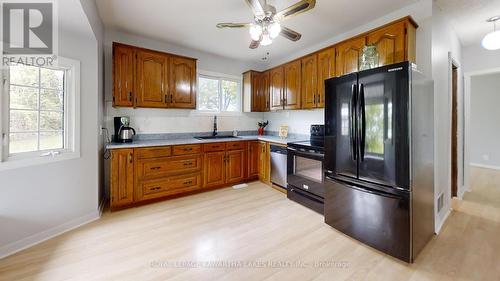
(274, 29)
(255, 32)
(266, 40)
(492, 40)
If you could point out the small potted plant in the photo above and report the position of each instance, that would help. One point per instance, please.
(262, 125)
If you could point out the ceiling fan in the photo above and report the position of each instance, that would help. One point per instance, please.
(267, 22)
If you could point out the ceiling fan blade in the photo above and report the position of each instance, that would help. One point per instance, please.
(290, 34)
(254, 44)
(232, 25)
(295, 9)
(257, 7)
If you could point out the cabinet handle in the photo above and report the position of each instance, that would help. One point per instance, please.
(155, 168)
(155, 188)
(171, 98)
(188, 164)
(130, 96)
(130, 157)
(166, 99)
(188, 182)
(188, 149)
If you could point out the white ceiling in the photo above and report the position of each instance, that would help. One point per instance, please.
(191, 23)
(468, 18)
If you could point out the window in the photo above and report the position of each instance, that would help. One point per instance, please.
(218, 94)
(40, 110)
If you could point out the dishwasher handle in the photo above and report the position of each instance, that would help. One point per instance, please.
(278, 149)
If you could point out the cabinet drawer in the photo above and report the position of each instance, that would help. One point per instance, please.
(168, 166)
(186, 149)
(217, 146)
(236, 145)
(153, 152)
(168, 186)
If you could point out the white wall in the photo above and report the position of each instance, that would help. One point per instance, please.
(37, 202)
(171, 120)
(444, 42)
(476, 58)
(484, 120)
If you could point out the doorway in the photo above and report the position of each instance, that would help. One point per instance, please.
(454, 130)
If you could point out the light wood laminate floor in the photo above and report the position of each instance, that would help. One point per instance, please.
(260, 235)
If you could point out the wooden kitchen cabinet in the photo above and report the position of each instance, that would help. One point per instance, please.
(292, 85)
(235, 166)
(265, 87)
(326, 70)
(215, 171)
(182, 83)
(390, 43)
(253, 159)
(264, 162)
(348, 55)
(276, 88)
(122, 177)
(123, 75)
(151, 79)
(309, 92)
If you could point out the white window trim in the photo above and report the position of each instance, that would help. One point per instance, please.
(71, 126)
(220, 76)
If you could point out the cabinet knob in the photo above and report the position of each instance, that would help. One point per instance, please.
(130, 158)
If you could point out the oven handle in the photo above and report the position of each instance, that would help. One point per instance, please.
(314, 155)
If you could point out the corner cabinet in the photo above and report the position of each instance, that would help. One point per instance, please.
(255, 91)
(152, 79)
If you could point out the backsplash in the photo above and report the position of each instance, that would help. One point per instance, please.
(298, 121)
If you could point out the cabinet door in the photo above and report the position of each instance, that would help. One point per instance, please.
(390, 42)
(326, 70)
(152, 69)
(182, 83)
(348, 54)
(123, 75)
(292, 85)
(265, 86)
(256, 91)
(214, 169)
(253, 159)
(276, 88)
(264, 160)
(309, 91)
(235, 166)
(122, 177)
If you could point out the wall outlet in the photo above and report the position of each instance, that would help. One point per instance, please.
(486, 157)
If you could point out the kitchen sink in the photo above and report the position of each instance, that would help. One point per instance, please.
(215, 137)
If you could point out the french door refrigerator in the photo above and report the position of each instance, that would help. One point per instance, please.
(379, 158)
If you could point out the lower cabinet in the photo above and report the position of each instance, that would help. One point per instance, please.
(235, 166)
(253, 159)
(122, 177)
(225, 166)
(214, 168)
(264, 162)
(151, 189)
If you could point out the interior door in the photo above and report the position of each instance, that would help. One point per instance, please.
(384, 125)
(182, 83)
(340, 126)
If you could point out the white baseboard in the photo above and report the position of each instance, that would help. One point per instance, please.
(40, 237)
(485, 166)
(441, 223)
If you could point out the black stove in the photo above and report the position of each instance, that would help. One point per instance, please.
(305, 170)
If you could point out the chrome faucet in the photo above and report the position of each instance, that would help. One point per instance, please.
(214, 133)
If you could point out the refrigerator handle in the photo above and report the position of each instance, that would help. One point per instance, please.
(354, 148)
(362, 128)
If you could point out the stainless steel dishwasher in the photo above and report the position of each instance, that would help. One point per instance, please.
(278, 165)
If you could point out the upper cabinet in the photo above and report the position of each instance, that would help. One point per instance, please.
(348, 55)
(146, 78)
(183, 83)
(309, 92)
(123, 75)
(292, 85)
(255, 91)
(300, 84)
(326, 70)
(276, 85)
(151, 79)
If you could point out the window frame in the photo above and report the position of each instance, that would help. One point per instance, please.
(71, 116)
(220, 77)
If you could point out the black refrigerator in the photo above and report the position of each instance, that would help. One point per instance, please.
(379, 158)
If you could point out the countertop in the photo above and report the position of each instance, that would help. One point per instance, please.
(165, 142)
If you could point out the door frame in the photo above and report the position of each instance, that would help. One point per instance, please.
(467, 115)
(454, 131)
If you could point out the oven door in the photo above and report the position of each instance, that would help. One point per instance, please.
(305, 171)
